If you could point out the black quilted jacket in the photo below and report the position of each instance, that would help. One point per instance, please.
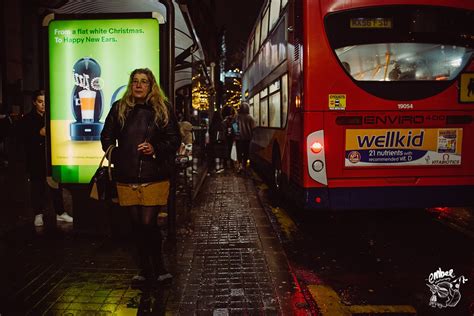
(131, 166)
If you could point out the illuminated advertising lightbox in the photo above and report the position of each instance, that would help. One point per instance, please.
(90, 62)
(403, 147)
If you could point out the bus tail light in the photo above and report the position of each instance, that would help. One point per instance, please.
(316, 147)
(316, 157)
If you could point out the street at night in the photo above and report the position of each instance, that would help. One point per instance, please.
(237, 157)
(248, 256)
(378, 261)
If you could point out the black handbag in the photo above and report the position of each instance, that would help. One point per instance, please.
(102, 185)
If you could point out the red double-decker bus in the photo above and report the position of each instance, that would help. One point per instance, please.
(364, 103)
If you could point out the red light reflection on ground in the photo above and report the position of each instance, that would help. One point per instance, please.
(441, 209)
(302, 297)
(458, 217)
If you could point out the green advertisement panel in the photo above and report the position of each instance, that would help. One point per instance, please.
(90, 62)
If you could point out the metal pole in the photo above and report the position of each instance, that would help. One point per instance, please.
(169, 88)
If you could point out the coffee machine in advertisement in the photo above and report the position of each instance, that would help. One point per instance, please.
(87, 101)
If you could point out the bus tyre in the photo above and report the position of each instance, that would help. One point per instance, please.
(277, 178)
(277, 175)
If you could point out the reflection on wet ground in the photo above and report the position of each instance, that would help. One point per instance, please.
(225, 261)
(373, 262)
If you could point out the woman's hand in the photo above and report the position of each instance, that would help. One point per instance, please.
(146, 148)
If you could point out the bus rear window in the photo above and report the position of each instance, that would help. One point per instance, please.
(403, 61)
(405, 45)
(402, 43)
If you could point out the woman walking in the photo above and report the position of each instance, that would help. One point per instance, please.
(146, 134)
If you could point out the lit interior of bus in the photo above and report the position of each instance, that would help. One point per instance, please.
(403, 61)
(422, 49)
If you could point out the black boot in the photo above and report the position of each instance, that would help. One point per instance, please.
(161, 274)
(142, 258)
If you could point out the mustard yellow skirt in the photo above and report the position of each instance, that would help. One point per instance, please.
(144, 194)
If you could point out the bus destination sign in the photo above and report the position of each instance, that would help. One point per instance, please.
(371, 23)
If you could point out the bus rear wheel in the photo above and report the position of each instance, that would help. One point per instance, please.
(277, 179)
(277, 175)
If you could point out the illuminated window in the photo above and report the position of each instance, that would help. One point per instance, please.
(264, 108)
(254, 47)
(267, 59)
(274, 87)
(257, 37)
(279, 40)
(264, 112)
(274, 12)
(256, 109)
(284, 99)
(403, 61)
(248, 58)
(251, 48)
(274, 107)
(264, 27)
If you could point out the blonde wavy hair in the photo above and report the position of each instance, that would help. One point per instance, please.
(156, 98)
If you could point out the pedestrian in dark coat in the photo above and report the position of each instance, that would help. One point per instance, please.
(147, 137)
(217, 141)
(228, 113)
(34, 135)
(246, 125)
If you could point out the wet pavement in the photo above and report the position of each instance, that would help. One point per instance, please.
(232, 262)
(377, 262)
(235, 253)
(226, 260)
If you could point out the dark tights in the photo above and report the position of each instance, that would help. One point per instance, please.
(147, 237)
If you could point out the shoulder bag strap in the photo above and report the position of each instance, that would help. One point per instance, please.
(109, 149)
(108, 154)
(109, 158)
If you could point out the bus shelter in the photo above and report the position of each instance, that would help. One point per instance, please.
(90, 50)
